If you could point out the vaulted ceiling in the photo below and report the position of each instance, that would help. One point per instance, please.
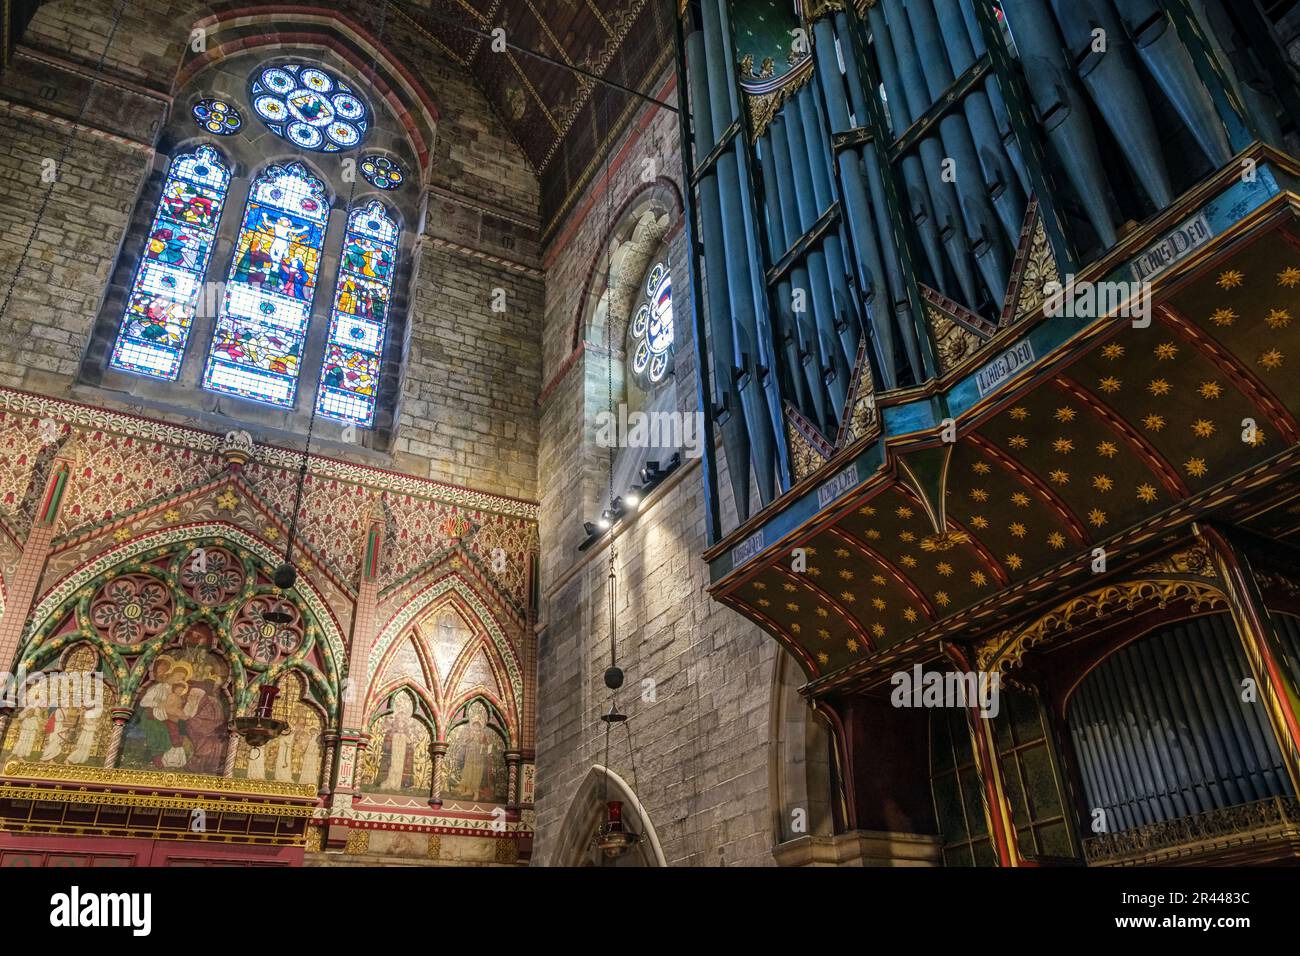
(559, 117)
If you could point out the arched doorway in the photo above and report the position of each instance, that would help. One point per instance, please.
(588, 810)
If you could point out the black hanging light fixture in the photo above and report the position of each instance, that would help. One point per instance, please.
(262, 725)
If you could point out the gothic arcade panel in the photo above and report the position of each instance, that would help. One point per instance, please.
(476, 760)
(397, 760)
(62, 716)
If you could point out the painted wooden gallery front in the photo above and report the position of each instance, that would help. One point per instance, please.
(1039, 432)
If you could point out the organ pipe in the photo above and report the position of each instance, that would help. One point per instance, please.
(735, 437)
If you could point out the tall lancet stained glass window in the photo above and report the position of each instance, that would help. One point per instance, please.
(350, 378)
(169, 281)
(258, 342)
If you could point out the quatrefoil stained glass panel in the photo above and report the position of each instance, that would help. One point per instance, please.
(310, 107)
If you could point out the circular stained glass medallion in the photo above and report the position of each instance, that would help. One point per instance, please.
(310, 107)
(382, 172)
(217, 116)
(652, 326)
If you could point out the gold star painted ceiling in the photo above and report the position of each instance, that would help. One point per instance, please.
(1121, 437)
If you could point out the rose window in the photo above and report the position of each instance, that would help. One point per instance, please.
(212, 576)
(310, 107)
(129, 609)
(652, 326)
(265, 640)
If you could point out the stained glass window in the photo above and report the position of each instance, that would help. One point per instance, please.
(217, 116)
(169, 281)
(354, 349)
(381, 172)
(652, 326)
(310, 107)
(258, 342)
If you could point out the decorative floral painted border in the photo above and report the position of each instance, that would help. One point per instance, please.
(274, 456)
(420, 601)
(62, 592)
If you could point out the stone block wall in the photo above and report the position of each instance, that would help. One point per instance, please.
(698, 676)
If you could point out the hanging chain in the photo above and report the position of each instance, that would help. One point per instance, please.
(63, 156)
(311, 421)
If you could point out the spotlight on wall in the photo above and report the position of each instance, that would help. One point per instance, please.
(633, 498)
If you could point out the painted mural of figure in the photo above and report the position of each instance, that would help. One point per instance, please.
(400, 768)
(257, 764)
(87, 731)
(472, 760)
(310, 771)
(181, 721)
(164, 711)
(31, 723)
(207, 723)
(284, 758)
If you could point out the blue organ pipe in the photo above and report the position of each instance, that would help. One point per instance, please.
(891, 287)
(818, 292)
(1062, 110)
(904, 320)
(1244, 75)
(943, 195)
(1005, 189)
(975, 36)
(763, 368)
(1113, 81)
(735, 438)
(844, 317)
(918, 195)
(809, 353)
(739, 277)
(832, 365)
(1169, 62)
(978, 217)
(787, 336)
(857, 207)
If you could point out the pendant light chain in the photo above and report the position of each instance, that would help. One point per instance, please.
(311, 421)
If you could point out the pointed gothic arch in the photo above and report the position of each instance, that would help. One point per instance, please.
(587, 810)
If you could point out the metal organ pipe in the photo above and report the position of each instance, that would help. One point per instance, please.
(844, 318)
(943, 194)
(975, 36)
(835, 369)
(1062, 111)
(1169, 62)
(920, 206)
(739, 278)
(1252, 84)
(857, 207)
(735, 438)
(1110, 75)
(973, 187)
(810, 365)
(1004, 187)
(865, 157)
